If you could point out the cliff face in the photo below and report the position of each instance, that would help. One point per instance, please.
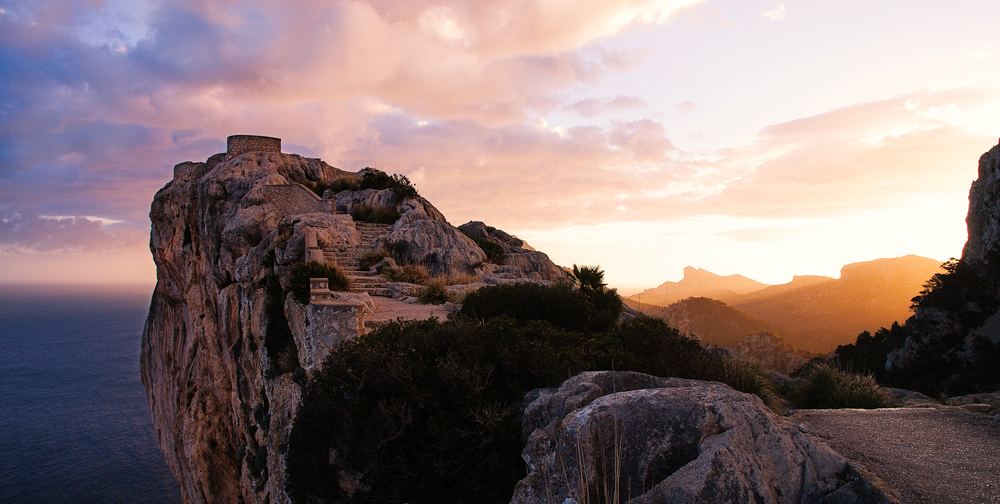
(203, 347)
(983, 219)
(226, 345)
(962, 306)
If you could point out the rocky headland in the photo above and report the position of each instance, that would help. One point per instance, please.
(229, 349)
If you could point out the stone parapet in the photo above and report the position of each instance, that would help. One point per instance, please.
(239, 144)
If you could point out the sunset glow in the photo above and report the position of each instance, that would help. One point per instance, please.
(759, 137)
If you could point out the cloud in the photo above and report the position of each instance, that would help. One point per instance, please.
(873, 155)
(22, 232)
(685, 106)
(592, 107)
(774, 15)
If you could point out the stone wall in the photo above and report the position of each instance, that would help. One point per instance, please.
(238, 144)
(292, 199)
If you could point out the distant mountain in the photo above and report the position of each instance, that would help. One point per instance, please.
(713, 321)
(698, 283)
(818, 314)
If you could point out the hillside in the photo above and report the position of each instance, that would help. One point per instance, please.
(698, 282)
(818, 315)
(713, 321)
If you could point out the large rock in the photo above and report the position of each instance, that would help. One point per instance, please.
(434, 244)
(409, 209)
(668, 440)
(520, 260)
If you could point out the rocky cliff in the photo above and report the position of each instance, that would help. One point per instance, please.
(226, 346)
(952, 339)
(983, 219)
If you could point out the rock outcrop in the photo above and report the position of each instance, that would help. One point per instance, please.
(629, 437)
(226, 345)
(951, 328)
(520, 260)
(771, 352)
(983, 219)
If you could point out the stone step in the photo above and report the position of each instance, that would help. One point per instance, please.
(374, 292)
(368, 282)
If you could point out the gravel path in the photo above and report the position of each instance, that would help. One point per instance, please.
(929, 455)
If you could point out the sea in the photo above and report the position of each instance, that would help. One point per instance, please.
(75, 426)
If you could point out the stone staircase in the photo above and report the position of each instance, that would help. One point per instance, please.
(347, 257)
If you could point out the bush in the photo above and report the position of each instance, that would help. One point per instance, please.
(338, 185)
(434, 293)
(560, 305)
(302, 272)
(372, 178)
(378, 214)
(824, 386)
(494, 252)
(409, 273)
(427, 411)
(749, 377)
(371, 259)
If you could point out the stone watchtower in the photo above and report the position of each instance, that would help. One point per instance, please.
(238, 144)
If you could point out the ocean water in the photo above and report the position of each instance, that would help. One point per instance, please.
(74, 423)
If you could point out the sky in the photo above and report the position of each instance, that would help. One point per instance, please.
(760, 137)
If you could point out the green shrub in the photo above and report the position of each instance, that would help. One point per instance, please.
(372, 178)
(824, 386)
(378, 214)
(570, 309)
(371, 259)
(427, 412)
(494, 252)
(434, 293)
(749, 377)
(302, 272)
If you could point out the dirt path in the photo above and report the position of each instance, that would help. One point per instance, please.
(388, 309)
(929, 455)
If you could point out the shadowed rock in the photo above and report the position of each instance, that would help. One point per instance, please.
(669, 440)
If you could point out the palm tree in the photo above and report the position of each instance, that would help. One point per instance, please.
(590, 278)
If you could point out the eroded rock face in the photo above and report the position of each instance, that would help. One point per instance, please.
(220, 249)
(932, 329)
(667, 440)
(983, 219)
(434, 244)
(520, 260)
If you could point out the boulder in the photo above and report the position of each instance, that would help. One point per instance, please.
(520, 260)
(911, 399)
(409, 209)
(437, 245)
(630, 437)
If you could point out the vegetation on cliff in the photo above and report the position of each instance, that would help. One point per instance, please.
(428, 411)
(945, 359)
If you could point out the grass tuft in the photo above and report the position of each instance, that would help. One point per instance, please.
(824, 386)
(302, 272)
(435, 293)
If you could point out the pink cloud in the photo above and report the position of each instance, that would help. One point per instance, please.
(591, 107)
(19, 232)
